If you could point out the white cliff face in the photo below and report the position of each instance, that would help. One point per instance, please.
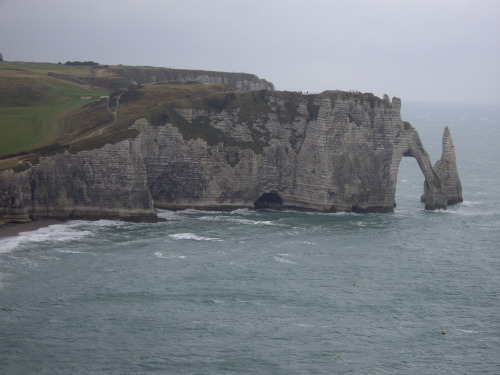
(235, 81)
(446, 168)
(342, 158)
(335, 151)
(108, 182)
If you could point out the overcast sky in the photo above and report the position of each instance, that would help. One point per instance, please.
(431, 51)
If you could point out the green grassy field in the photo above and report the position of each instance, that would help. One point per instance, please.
(37, 66)
(41, 105)
(33, 105)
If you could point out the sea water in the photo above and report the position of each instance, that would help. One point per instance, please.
(263, 292)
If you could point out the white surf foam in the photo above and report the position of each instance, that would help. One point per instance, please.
(471, 203)
(256, 222)
(466, 331)
(241, 211)
(282, 258)
(54, 233)
(99, 223)
(9, 244)
(168, 215)
(192, 236)
(212, 218)
(70, 252)
(308, 243)
(159, 254)
(232, 219)
(191, 211)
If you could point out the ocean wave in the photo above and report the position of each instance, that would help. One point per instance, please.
(231, 219)
(471, 203)
(71, 252)
(168, 215)
(9, 244)
(212, 218)
(52, 233)
(192, 236)
(192, 211)
(104, 223)
(315, 213)
(55, 232)
(159, 254)
(256, 222)
(282, 258)
(466, 331)
(177, 215)
(308, 243)
(241, 211)
(440, 211)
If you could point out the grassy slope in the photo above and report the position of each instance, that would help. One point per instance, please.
(41, 112)
(36, 99)
(33, 105)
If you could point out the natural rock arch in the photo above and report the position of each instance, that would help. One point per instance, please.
(442, 184)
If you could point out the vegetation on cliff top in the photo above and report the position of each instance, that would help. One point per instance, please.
(49, 108)
(36, 98)
(33, 107)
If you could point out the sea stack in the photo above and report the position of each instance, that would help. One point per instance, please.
(446, 168)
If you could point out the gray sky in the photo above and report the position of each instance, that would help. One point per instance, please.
(432, 51)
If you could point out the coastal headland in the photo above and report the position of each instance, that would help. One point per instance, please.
(141, 139)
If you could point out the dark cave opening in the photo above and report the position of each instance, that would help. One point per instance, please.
(270, 200)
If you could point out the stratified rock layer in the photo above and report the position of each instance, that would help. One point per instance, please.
(116, 77)
(446, 168)
(106, 183)
(335, 151)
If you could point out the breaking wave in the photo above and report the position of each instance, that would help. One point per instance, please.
(53, 233)
(192, 236)
(283, 258)
(159, 254)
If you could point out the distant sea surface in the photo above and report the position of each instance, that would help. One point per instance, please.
(248, 292)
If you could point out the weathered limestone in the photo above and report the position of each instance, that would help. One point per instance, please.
(142, 75)
(335, 151)
(446, 168)
(104, 183)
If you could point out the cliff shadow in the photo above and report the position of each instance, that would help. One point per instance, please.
(271, 200)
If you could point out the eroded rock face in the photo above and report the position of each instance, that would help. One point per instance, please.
(105, 183)
(137, 76)
(446, 168)
(335, 151)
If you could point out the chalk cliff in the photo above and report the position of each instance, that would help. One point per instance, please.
(334, 151)
(446, 168)
(116, 77)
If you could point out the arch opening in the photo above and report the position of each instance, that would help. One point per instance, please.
(271, 200)
(409, 183)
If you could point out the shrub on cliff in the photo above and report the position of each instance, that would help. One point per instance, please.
(81, 63)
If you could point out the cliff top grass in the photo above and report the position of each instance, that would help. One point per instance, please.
(33, 106)
(37, 98)
(48, 108)
(53, 119)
